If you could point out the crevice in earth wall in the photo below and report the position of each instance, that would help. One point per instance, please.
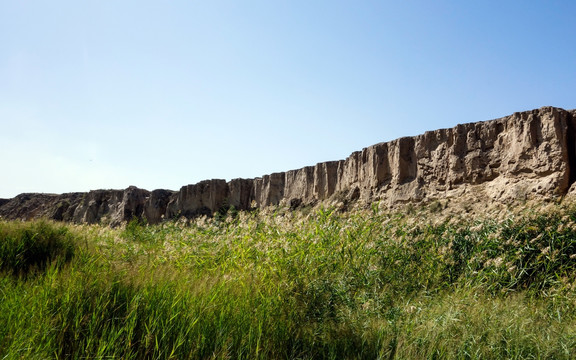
(571, 148)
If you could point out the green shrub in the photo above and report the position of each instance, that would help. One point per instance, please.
(136, 230)
(26, 248)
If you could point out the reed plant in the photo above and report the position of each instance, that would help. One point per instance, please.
(285, 284)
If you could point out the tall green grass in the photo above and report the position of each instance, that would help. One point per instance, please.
(30, 248)
(367, 284)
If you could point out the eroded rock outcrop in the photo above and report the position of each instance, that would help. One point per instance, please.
(525, 155)
(29, 206)
(155, 206)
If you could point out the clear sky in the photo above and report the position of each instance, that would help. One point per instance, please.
(160, 94)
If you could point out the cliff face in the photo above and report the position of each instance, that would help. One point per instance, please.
(526, 155)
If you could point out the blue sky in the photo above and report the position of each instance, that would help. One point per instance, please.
(107, 94)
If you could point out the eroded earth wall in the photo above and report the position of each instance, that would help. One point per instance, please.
(526, 155)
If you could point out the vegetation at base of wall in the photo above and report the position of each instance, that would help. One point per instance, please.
(31, 248)
(367, 284)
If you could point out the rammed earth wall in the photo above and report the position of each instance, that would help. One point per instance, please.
(526, 155)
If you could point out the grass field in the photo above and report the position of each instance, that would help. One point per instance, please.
(307, 284)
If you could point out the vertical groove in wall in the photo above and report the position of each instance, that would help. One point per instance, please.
(571, 148)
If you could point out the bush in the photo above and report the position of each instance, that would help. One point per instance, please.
(30, 247)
